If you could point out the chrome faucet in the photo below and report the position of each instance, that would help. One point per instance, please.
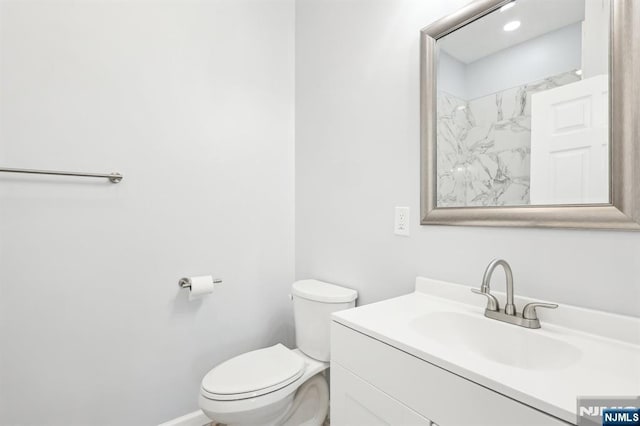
(528, 318)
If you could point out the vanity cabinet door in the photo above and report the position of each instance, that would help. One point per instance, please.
(355, 402)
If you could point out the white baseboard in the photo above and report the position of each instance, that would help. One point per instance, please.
(197, 418)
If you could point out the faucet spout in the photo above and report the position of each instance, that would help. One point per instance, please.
(510, 307)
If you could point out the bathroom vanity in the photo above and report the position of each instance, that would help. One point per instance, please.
(432, 357)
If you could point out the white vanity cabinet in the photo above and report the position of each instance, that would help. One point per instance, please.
(373, 383)
(356, 402)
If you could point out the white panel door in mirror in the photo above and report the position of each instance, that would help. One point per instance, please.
(569, 144)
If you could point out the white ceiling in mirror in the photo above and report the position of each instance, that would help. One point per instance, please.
(487, 35)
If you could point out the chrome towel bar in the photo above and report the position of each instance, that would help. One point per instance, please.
(113, 177)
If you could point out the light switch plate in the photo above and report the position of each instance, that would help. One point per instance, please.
(401, 226)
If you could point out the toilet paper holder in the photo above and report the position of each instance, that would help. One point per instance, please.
(186, 282)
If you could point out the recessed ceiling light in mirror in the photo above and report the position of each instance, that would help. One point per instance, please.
(511, 26)
(507, 6)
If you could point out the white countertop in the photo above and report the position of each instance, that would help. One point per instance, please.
(609, 346)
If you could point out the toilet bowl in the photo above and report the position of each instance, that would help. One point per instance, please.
(267, 387)
(278, 386)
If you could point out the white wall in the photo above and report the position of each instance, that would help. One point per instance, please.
(533, 60)
(357, 157)
(536, 59)
(452, 76)
(595, 34)
(193, 102)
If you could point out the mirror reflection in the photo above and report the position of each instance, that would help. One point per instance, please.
(522, 107)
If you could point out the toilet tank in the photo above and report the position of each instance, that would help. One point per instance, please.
(313, 303)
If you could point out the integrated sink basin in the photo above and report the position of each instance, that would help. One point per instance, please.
(495, 341)
(576, 352)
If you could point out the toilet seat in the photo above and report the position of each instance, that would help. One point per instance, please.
(275, 400)
(253, 374)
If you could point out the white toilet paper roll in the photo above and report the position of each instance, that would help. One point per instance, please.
(200, 286)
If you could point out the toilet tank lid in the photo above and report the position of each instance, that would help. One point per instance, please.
(319, 291)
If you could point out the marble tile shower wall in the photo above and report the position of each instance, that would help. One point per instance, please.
(484, 145)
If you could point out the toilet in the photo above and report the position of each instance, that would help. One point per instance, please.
(277, 385)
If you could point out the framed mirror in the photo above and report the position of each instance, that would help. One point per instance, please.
(530, 114)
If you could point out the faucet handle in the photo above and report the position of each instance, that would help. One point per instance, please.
(529, 311)
(492, 302)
